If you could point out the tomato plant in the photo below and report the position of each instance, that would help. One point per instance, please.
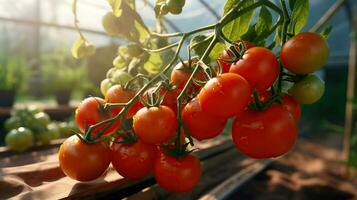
(177, 174)
(225, 96)
(81, 161)
(135, 160)
(265, 134)
(162, 102)
(155, 125)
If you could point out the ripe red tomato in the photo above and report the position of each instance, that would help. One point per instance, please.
(81, 161)
(117, 94)
(155, 125)
(133, 161)
(225, 95)
(305, 53)
(180, 75)
(200, 124)
(264, 134)
(177, 174)
(292, 106)
(227, 55)
(258, 66)
(170, 98)
(88, 114)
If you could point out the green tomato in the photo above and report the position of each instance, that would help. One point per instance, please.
(134, 50)
(65, 129)
(43, 138)
(121, 78)
(105, 85)
(42, 118)
(19, 139)
(34, 110)
(119, 62)
(308, 90)
(111, 24)
(110, 72)
(12, 123)
(175, 6)
(54, 130)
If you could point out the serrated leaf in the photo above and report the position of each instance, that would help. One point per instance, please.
(154, 64)
(326, 32)
(299, 16)
(82, 48)
(116, 7)
(236, 28)
(264, 23)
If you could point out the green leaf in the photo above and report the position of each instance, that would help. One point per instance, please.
(236, 28)
(143, 31)
(291, 4)
(116, 7)
(299, 16)
(217, 50)
(326, 32)
(264, 23)
(154, 64)
(82, 48)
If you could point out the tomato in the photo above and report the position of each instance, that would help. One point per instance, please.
(264, 134)
(258, 66)
(44, 138)
(175, 6)
(12, 123)
(64, 129)
(200, 124)
(292, 106)
(308, 90)
(120, 77)
(111, 24)
(81, 161)
(225, 95)
(134, 50)
(105, 85)
(170, 98)
(177, 174)
(133, 161)
(227, 55)
(117, 94)
(180, 75)
(42, 118)
(88, 114)
(305, 53)
(155, 125)
(19, 139)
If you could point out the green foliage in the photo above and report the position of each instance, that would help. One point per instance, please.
(299, 15)
(235, 29)
(60, 72)
(326, 32)
(13, 72)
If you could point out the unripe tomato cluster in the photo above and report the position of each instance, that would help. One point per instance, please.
(265, 121)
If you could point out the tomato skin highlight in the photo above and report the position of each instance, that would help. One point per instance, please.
(200, 124)
(258, 66)
(225, 95)
(155, 125)
(308, 90)
(88, 114)
(305, 53)
(134, 161)
(177, 174)
(117, 94)
(83, 162)
(292, 105)
(265, 134)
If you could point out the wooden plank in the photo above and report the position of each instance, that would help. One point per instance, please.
(237, 180)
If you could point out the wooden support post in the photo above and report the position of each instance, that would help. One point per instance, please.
(350, 89)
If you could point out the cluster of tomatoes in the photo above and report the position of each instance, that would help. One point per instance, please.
(147, 140)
